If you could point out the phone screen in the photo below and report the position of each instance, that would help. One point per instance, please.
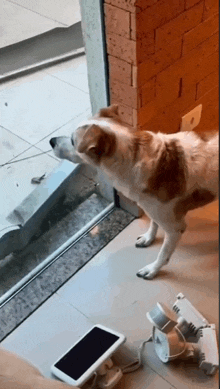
(85, 353)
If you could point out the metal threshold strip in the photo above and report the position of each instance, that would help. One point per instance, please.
(55, 255)
(42, 64)
(49, 48)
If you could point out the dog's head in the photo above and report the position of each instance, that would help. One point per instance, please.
(93, 140)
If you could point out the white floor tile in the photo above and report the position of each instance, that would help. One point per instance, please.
(53, 328)
(107, 291)
(66, 12)
(109, 282)
(16, 178)
(18, 23)
(74, 72)
(65, 130)
(40, 105)
(47, 333)
(10, 145)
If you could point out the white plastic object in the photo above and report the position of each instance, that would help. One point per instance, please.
(110, 379)
(168, 346)
(162, 318)
(108, 364)
(208, 350)
(184, 309)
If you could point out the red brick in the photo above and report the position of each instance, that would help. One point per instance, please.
(137, 33)
(168, 88)
(191, 3)
(167, 119)
(126, 114)
(143, 4)
(132, 5)
(158, 14)
(134, 76)
(211, 8)
(120, 70)
(210, 110)
(147, 91)
(155, 107)
(162, 124)
(200, 33)
(159, 61)
(121, 47)
(191, 64)
(145, 47)
(124, 94)
(117, 21)
(135, 121)
(178, 26)
(133, 26)
(208, 83)
(146, 113)
(202, 69)
(128, 5)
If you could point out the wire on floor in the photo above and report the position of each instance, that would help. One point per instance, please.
(135, 365)
(23, 159)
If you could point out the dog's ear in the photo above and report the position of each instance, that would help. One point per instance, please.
(97, 143)
(109, 112)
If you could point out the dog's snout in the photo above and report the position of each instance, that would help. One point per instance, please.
(53, 142)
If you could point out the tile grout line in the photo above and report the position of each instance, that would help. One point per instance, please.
(58, 128)
(91, 321)
(35, 144)
(37, 13)
(81, 90)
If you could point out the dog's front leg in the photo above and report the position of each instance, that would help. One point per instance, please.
(147, 239)
(169, 244)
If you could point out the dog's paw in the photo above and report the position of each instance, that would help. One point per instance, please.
(148, 272)
(144, 240)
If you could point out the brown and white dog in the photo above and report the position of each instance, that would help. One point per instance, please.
(166, 175)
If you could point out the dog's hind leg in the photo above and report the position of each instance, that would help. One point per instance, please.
(147, 239)
(169, 244)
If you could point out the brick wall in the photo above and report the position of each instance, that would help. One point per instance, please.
(163, 61)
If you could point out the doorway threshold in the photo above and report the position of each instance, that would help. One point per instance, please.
(51, 47)
(16, 309)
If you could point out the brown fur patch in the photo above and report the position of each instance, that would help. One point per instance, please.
(169, 178)
(97, 143)
(198, 198)
(206, 136)
(140, 139)
(110, 112)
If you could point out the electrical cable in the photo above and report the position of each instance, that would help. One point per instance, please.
(94, 380)
(184, 340)
(23, 159)
(135, 365)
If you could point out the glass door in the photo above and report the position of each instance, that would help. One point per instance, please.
(48, 85)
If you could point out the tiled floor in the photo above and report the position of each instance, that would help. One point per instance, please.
(34, 108)
(107, 291)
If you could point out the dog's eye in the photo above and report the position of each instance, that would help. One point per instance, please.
(72, 141)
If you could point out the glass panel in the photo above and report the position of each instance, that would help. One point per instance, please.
(36, 107)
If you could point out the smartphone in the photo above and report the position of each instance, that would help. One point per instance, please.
(79, 363)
